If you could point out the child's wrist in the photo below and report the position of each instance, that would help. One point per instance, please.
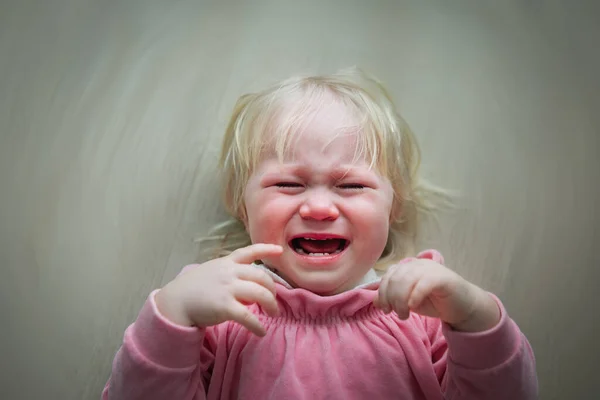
(485, 315)
(170, 308)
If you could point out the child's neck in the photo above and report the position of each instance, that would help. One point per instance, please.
(370, 277)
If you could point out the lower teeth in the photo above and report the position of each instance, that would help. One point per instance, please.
(301, 251)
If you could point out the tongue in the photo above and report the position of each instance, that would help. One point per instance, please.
(320, 246)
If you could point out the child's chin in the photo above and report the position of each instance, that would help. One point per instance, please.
(323, 283)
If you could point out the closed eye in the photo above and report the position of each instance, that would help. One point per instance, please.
(288, 185)
(352, 186)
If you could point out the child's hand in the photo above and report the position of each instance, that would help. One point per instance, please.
(217, 290)
(428, 288)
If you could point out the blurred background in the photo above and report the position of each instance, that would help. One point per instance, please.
(111, 116)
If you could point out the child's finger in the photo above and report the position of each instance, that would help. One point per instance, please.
(400, 289)
(249, 254)
(420, 291)
(381, 299)
(256, 275)
(243, 316)
(251, 292)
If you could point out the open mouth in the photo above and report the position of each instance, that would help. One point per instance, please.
(312, 247)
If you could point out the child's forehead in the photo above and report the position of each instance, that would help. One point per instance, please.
(316, 143)
(314, 123)
(324, 125)
(337, 153)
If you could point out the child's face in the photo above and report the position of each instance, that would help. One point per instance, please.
(320, 194)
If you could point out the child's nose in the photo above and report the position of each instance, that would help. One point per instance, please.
(318, 206)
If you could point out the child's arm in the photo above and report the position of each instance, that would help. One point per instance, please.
(493, 364)
(478, 351)
(160, 360)
(165, 355)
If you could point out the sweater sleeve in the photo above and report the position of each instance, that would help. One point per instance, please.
(160, 360)
(496, 364)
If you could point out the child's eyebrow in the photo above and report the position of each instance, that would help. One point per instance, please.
(338, 172)
(342, 172)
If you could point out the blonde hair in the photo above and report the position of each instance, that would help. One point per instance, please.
(280, 110)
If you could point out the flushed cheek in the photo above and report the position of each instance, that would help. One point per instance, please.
(266, 215)
(262, 230)
(372, 228)
(370, 214)
(268, 225)
(374, 239)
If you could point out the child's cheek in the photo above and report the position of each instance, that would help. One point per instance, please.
(266, 226)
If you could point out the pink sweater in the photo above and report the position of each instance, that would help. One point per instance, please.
(337, 347)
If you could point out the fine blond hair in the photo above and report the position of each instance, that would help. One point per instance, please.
(384, 138)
